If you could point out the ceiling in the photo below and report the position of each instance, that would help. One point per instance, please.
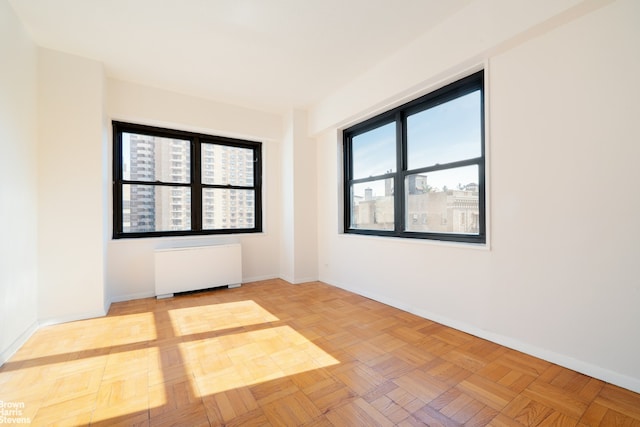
(271, 55)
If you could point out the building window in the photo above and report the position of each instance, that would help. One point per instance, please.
(169, 182)
(419, 170)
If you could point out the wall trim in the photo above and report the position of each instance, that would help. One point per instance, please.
(299, 281)
(260, 278)
(18, 342)
(565, 361)
(131, 297)
(152, 294)
(71, 318)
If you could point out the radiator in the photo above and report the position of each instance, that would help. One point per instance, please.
(195, 268)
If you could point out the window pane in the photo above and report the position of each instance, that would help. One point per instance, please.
(152, 158)
(224, 208)
(372, 205)
(224, 165)
(155, 208)
(444, 201)
(374, 152)
(445, 133)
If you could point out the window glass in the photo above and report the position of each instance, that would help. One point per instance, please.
(226, 165)
(374, 152)
(227, 208)
(149, 208)
(152, 158)
(445, 201)
(445, 133)
(372, 205)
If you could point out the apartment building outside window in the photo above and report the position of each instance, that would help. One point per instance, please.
(169, 182)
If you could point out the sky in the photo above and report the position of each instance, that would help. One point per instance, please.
(442, 134)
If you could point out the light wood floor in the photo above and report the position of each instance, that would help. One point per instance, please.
(270, 353)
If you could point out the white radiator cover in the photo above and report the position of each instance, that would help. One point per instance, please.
(195, 268)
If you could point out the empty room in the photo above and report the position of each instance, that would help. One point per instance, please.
(322, 213)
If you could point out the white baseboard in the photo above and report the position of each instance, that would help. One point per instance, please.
(259, 278)
(299, 281)
(107, 305)
(71, 318)
(19, 342)
(152, 294)
(131, 297)
(583, 367)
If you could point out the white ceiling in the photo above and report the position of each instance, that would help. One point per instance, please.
(266, 54)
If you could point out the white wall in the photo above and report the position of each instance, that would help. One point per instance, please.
(72, 213)
(570, 241)
(305, 202)
(18, 184)
(287, 208)
(560, 278)
(480, 29)
(298, 258)
(130, 268)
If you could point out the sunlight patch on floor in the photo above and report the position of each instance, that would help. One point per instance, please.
(218, 317)
(87, 338)
(248, 358)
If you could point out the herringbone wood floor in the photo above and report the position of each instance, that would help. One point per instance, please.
(271, 353)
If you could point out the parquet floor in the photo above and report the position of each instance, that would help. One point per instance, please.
(271, 353)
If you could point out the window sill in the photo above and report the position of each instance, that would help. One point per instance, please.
(419, 242)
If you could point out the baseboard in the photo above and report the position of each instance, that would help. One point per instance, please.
(297, 280)
(107, 305)
(577, 365)
(589, 369)
(131, 297)
(286, 278)
(152, 294)
(300, 281)
(72, 318)
(259, 278)
(19, 342)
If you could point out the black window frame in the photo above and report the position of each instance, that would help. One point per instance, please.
(195, 181)
(399, 116)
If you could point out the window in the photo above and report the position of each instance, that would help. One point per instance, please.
(169, 182)
(419, 170)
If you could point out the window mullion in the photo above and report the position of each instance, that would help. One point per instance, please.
(165, 183)
(348, 182)
(196, 185)
(257, 188)
(481, 200)
(229, 187)
(401, 166)
(373, 178)
(481, 167)
(117, 182)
